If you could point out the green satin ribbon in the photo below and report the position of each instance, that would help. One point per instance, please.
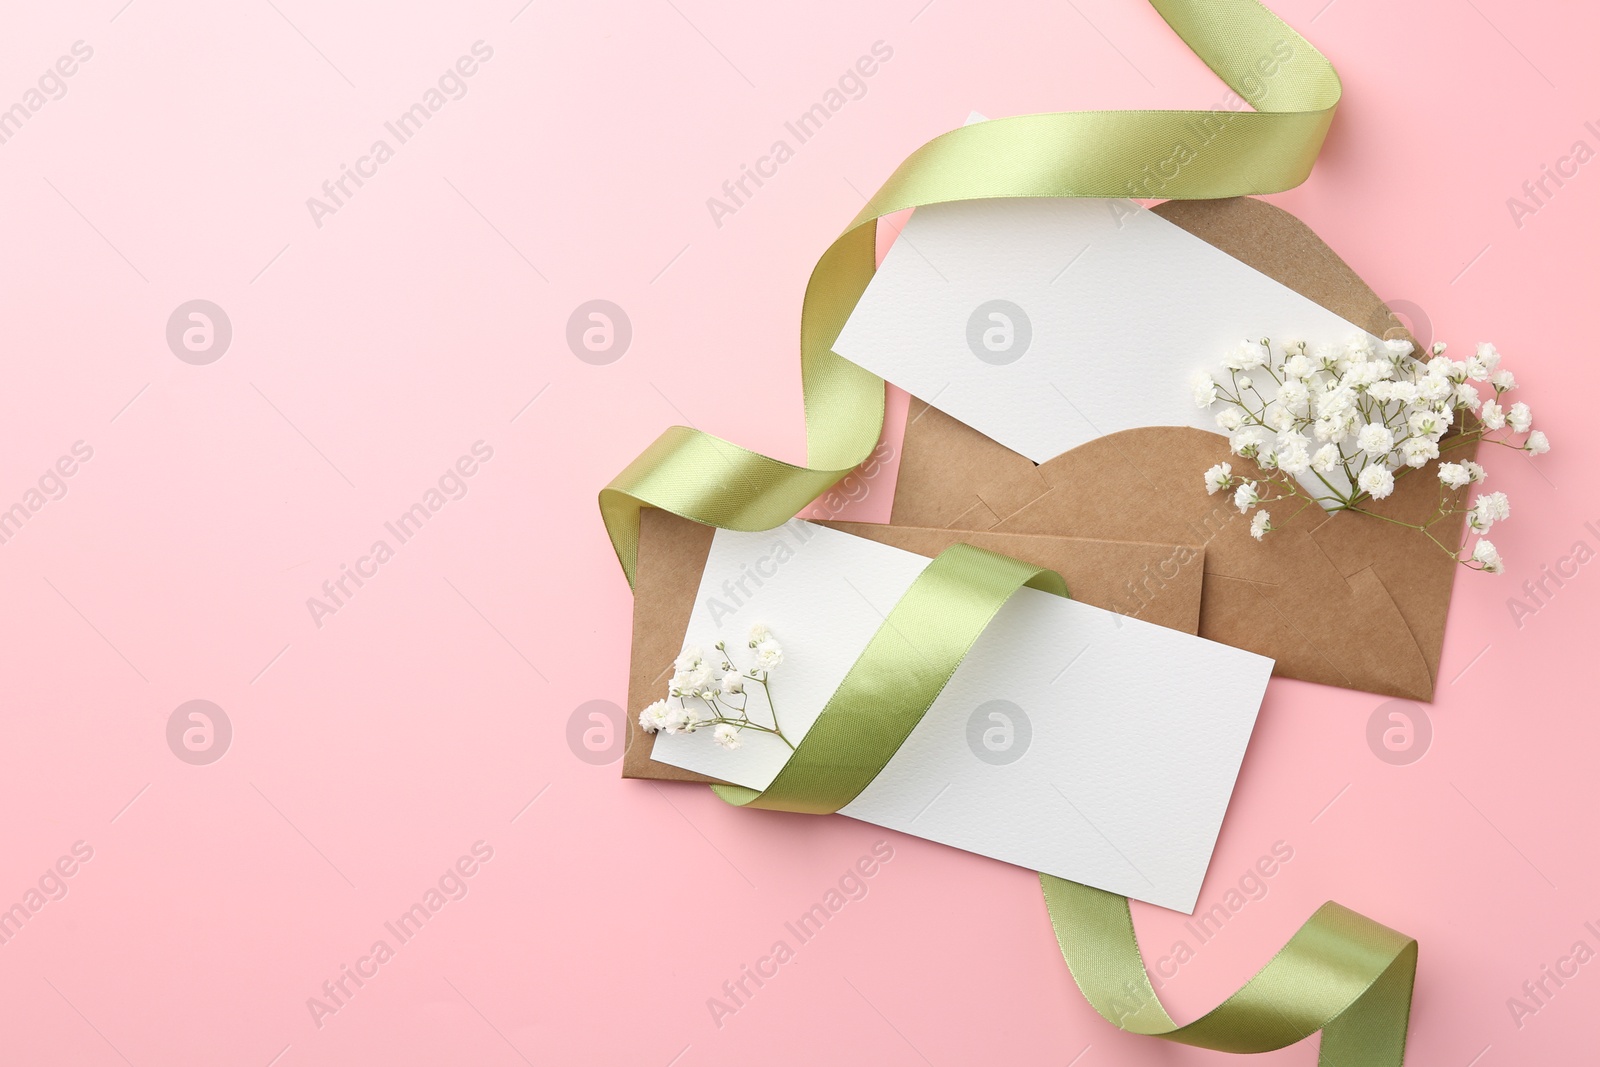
(1342, 974)
(895, 680)
(1157, 154)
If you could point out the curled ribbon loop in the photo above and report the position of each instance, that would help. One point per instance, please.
(1340, 973)
(1157, 154)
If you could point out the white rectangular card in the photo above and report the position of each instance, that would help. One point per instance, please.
(1071, 740)
(1046, 323)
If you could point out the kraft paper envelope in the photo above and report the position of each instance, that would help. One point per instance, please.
(1340, 599)
(1071, 740)
(673, 552)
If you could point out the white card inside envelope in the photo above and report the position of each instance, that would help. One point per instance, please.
(1046, 323)
(1071, 740)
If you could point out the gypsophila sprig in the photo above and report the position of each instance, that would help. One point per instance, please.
(697, 696)
(1338, 427)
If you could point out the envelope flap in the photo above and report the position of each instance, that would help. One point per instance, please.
(1345, 600)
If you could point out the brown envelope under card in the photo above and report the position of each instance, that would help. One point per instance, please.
(1112, 574)
(1342, 599)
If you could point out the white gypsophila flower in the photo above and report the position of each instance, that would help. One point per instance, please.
(1376, 480)
(1485, 553)
(1454, 475)
(1245, 497)
(1367, 410)
(1205, 389)
(1367, 375)
(1292, 457)
(1359, 347)
(1398, 349)
(690, 658)
(654, 717)
(1280, 420)
(1487, 510)
(1247, 442)
(1375, 439)
(1295, 397)
(681, 720)
(691, 682)
(1248, 356)
(727, 736)
(1435, 387)
(1417, 451)
(1428, 423)
(732, 684)
(759, 633)
(1338, 403)
(768, 654)
(1520, 417)
(1290, 440)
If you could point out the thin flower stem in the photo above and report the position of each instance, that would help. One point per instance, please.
(1423, 530)
(773, 707)
(1298, 510)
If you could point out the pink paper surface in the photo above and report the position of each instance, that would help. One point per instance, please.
(447, 703)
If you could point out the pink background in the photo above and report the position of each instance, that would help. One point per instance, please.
(432, 710)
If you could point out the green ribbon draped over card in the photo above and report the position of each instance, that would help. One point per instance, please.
(1340, 973)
